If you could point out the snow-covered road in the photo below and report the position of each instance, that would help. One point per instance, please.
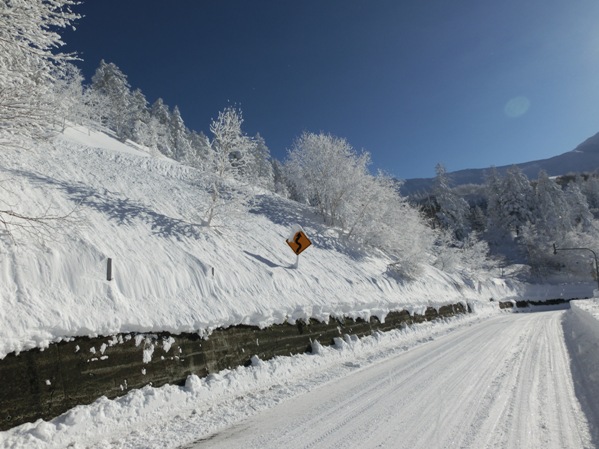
(501, 383)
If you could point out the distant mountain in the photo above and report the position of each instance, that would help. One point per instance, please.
(583, 158)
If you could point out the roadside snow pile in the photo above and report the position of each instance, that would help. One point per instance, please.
(170, 273)
(173, 416)
(582, 335)
(542, 292)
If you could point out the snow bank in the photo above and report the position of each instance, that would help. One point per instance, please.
(170, 273)
(582, 334)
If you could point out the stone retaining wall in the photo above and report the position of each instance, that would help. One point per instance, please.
(43, 384)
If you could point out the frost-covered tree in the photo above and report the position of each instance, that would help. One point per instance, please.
(452, 210)
(161, 119)
(323, 171)
(326, 172)
(139, 119)
(510, 204)
(552, 212)
(30, 64)
(96, 109)
(580, 214)
(180, 139)
(201, 156)
(111, 83)
(231, 148)
(259, 169)
(69, 98)
(279, 179)
(477, 219)
(32, 105)
(470, 254)
(590, 188)
(377, 215)
(551, 223)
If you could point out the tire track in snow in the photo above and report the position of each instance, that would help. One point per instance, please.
(502, 383)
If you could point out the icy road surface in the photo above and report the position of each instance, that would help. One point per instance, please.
(502, 383)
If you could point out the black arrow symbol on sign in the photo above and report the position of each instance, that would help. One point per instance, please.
(299, 245)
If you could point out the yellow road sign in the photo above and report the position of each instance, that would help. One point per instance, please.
(299, 242)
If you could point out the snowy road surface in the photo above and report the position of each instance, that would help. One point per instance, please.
(501, 383)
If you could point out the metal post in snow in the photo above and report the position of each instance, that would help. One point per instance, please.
(109, 269)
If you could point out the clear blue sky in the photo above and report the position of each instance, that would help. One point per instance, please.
(469, 84)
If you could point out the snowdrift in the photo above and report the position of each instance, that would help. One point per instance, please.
(170, 273)
(582, 336)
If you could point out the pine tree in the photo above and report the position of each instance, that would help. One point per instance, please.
(161, 116)
(581, 215)
(590, 188)
(260, 171)
(111, 83)
(139, 118)
(179, 137)
(201, 156)
(452, 210)
(279, 179)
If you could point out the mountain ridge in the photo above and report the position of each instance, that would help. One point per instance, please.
(583, 158)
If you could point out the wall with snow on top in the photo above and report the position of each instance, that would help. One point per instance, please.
(171, 273)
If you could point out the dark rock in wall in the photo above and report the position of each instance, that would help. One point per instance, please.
(45, 383)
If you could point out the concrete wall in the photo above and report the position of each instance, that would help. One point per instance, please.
(43, 384)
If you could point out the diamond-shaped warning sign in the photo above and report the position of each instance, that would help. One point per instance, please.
(299, 242)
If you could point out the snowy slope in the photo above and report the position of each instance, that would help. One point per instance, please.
(141, 211)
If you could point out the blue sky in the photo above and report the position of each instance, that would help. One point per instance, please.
(469, 84)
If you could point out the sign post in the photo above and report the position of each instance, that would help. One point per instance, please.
(298, 242)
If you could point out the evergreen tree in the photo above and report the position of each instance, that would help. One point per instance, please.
(580, 214)
(201, 152)
(279, 179)
(260, 169)
(111, 83)
(590, 188)
(452, 210)
(553, 216)
(139, 119)
(179, 137)
(161, 119)
(493, 194)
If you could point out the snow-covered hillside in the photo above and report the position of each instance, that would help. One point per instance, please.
(170, 273)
